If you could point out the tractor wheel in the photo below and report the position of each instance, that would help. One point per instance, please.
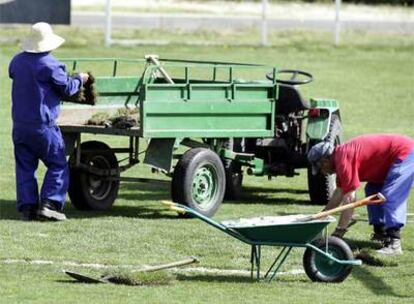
(319, 268)
(88, 191)
(199, 181)
(234, 173)
(322, 186)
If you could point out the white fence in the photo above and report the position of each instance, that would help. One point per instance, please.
(264, 21)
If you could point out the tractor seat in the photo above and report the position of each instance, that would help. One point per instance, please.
(290, 100)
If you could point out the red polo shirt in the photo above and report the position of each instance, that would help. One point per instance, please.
(368, 158)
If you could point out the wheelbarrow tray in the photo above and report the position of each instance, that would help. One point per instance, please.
(278, 230)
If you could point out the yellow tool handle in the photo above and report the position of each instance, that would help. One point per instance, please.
(178, 209)
(168, 203)
(154, 60)
(188, 261)
(173, 206)
(375, 199)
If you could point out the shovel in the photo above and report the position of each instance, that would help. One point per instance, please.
(107, 279)
(375, 199)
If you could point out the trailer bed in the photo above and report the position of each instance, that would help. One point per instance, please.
(80, 128)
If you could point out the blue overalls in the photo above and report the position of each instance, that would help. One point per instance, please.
(39, 81)
(396, 189)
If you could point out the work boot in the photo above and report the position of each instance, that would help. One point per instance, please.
(392, 247)
(49, 210)
(379, 238)
(380, 235)
(29, 212)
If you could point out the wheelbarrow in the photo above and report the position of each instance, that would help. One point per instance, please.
(326, 259)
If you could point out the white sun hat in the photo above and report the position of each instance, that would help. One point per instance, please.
(41, 39)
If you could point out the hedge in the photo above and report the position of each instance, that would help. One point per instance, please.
(391, 2)
(371, 2)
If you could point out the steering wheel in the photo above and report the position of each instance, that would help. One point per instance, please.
(294, 79)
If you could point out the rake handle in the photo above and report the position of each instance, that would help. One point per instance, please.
(188, 261)
(375, 199)
(154, 60)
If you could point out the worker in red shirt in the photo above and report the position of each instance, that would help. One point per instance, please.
(386, 163)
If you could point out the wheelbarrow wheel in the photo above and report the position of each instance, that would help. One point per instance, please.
(319, 268)
(199, 181)
(86, 190)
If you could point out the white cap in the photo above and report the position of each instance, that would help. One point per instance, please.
(41, 39)
(317, 152)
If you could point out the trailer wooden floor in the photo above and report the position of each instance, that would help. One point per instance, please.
(80, 128)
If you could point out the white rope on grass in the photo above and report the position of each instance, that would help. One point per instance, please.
(106, 266)
(232, 271)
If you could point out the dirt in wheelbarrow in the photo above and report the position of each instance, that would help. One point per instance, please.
(267, 221)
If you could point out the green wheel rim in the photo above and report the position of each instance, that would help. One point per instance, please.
(204, 188)
(328, 267)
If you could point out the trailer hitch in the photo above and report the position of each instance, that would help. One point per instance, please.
(256, 165)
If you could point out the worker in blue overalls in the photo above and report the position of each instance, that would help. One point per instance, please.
(39, 82)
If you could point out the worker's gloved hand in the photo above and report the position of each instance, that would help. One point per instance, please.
(349, 197)
(87, 93)
(84, 76)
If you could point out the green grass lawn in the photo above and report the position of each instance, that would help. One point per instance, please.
(371, 76)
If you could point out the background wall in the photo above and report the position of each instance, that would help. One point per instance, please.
(29, 11)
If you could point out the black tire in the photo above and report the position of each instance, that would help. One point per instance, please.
(322, 186)
(234, 173)
(199, 181)
(88, 191)
(322, 269)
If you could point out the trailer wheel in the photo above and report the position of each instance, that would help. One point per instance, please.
(199, 181)
(88, 191)
(322, 269)
(322, 186)
(233, 169)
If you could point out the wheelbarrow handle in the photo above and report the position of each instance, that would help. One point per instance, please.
(174, 207)
(168, 203)
(185, 209)
(375, 199)
(178, 209)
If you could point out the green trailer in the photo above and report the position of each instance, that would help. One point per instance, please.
(203, 124)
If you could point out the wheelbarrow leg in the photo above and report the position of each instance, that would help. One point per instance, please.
(282, 257)
(258, 259)
(252, 260)
(255, 258)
